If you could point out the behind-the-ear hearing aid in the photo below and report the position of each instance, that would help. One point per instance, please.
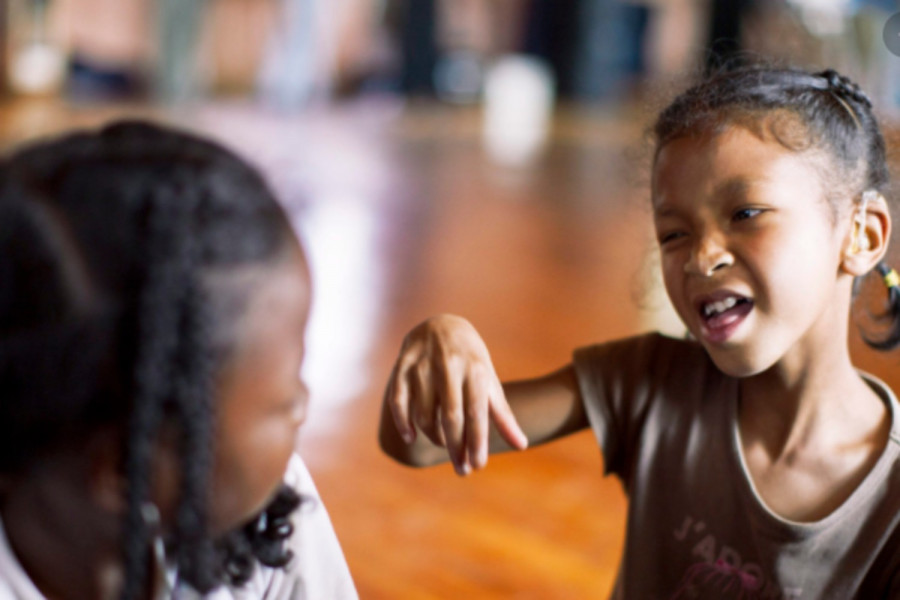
(860, 239)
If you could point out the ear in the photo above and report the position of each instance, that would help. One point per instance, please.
(108, 481)
(869, 233)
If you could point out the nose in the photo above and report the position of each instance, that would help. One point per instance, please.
(709, 255)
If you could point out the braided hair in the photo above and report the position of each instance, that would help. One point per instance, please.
(824, 112)
(106, 318)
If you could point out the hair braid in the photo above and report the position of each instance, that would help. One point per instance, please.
(193, 398)
(891, 339)
(160, 313)
(843, 85)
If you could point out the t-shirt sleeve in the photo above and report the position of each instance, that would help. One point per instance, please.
(619, 381)
(318, 569)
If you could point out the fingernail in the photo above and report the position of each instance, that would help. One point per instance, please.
(482, 456)
(407, 437)
(462, 469)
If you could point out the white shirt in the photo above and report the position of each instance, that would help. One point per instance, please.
(317, 571)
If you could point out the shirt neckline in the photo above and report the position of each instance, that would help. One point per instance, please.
(785, 527)
(13, 574)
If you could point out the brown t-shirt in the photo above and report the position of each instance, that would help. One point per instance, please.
(666, 420)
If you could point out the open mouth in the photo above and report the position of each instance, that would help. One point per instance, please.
(721, 315)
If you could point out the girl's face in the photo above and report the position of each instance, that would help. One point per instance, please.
(262, 400)
(751, 251)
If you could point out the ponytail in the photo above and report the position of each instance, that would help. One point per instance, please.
(891, 280)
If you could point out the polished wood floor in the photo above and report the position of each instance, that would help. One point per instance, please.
(405, 214)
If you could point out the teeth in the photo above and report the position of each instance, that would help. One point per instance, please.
(719, 307)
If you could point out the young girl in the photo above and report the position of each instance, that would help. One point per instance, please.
(757, 461)
(152, 310)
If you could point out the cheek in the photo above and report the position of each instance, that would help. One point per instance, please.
(790, 265)
(672, 266)
(249, 467)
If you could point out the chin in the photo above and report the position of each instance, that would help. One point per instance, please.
(237, 518)
(737, 366)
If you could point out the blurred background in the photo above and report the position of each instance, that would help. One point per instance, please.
(481, 157)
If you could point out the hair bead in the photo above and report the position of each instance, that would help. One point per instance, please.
(890, 276)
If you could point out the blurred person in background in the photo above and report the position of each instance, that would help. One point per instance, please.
(152, 320)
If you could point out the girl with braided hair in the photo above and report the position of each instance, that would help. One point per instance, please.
(153, 300)
(758, 461)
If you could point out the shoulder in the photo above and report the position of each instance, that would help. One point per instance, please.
(318, 568)
(14, 582)
(297, 476)
(887, 396)
(646, 382)
(651, 356)
(885, 475)
(646, 344)
(879, 502)
(890, 400)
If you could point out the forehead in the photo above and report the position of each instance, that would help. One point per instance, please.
(279, 297)
(250, 301)
(732, 162)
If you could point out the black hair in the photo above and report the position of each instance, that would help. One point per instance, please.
(106, 319)
(821, 112)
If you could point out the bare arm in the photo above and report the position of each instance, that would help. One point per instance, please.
(445, 402)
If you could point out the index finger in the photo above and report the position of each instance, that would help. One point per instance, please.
(505, 420)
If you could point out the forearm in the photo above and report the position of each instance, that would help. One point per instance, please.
(546, 408)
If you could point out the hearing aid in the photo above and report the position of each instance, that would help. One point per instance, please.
(860, 239)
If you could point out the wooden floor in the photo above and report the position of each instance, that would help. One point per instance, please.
(405, 214)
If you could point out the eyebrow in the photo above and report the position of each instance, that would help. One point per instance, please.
(735, 187)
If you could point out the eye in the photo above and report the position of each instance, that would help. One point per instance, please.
(746, 213)
(670, 236)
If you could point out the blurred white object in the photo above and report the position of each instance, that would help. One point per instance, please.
(518, 106)
(35, 64)
(823, 17)
(36, 69)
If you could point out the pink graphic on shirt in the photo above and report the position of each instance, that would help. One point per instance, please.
(721, 573)
(719, 580)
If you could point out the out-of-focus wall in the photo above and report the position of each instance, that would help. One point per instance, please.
(291, 52)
